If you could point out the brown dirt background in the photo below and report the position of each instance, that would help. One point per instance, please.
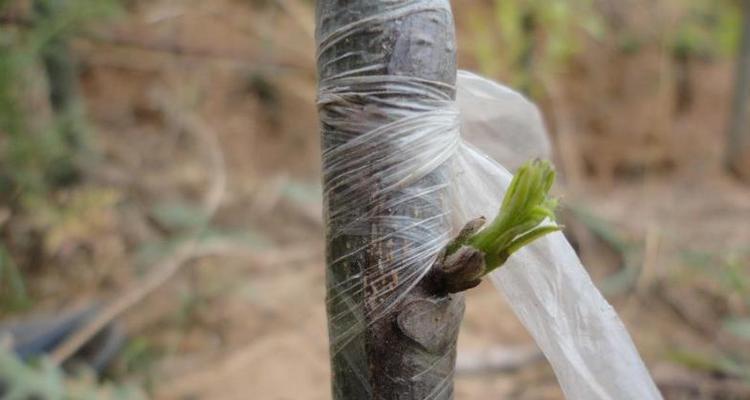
(251, 324)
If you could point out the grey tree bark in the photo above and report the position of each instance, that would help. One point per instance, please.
(408, 353)
(738, 141)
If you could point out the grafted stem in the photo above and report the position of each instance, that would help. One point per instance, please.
(527, 213)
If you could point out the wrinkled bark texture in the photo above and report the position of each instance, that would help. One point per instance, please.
(409, 353)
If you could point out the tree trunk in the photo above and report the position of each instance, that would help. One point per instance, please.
(738, 143)
(393, 336)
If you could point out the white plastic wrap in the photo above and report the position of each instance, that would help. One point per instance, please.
(545, 282)
(507, 126)
(423, 182)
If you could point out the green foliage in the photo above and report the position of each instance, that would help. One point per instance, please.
(533, 35)
(138, 360)
(712, 364)
(42, 124)
(523, 216)
(739, 327)
(138, 355)
(12, 287)
(21, 381)
(630, 251)
(187, 222)
(729, 272)
(708, 28)
(36, 156)
(525, 40)
(176, 216)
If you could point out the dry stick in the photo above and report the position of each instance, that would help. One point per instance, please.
(162, 273)
(164, 270)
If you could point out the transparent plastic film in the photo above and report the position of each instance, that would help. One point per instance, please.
(401, 178)
(545, 282)
(508, 127)
(407, 160)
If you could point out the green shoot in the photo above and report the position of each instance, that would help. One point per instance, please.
(523, 217)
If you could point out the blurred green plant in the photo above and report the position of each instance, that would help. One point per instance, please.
(13, 294)
(523, 215)
(38, 155)
(185, 222)
(739, 327)
(628, 250)
(137, 360)
(525, 40)
(22, 381)
(721, 364)
(532, 36)
(730, 272)
(526, 214)
(708, 28)
(43, 141)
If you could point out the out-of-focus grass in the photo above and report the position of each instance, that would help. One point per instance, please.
(39, 156)
(729, 274)
(13, 295)
(41, 380)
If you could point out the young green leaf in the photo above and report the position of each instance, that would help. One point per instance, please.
(526, 214)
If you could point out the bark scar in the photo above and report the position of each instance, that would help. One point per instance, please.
(432, 323)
